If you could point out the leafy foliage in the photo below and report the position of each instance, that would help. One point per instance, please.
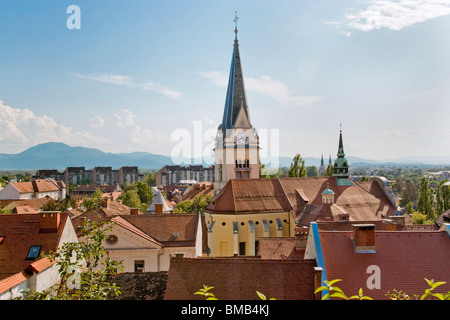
(210, 296)
(297, 168)
(333, 291)
(198, 204)
(84, 270)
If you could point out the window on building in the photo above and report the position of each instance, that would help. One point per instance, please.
(33, 253)
(139, 266)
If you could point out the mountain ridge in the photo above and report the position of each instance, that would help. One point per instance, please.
(58, 155)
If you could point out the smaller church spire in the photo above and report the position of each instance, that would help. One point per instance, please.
(341, 164)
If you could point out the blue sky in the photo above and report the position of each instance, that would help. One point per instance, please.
(139, 71)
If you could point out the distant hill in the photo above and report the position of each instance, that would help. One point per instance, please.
(53, 155)
(56, 155)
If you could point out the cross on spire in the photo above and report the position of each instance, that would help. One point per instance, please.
(236, 18)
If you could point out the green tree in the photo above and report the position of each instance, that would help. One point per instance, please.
(55, 205)
(297, 168)
(183, 206)
(144, 192)
(5, 211)
(311, 171)
(330, 171)
(84, 268)
(410, 208)
(131, 198)
(426, 199)
(442, 197)
(409, 194)
(199, 203)
(196, 205)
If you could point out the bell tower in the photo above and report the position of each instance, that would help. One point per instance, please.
(236, 148)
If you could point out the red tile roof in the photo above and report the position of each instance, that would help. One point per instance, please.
(405, 259)
(240, 278)
(20, 233)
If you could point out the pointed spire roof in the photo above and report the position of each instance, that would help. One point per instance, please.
(341, 165)
(341, 145)
(159, 199)
(236, 98)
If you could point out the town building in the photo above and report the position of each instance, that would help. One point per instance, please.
(146, 242)
(22, 238)
(36, 189)
(179, 175)
(98, 175)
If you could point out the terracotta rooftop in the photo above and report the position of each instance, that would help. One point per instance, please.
(243, 196)
(39, 185)
(303, 196)
(240, 278)
(405, 259)
(20, 232)
(36, 204)
(167, 229)
(278, 248)
(203, 188)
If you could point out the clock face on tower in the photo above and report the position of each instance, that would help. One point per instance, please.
(241, 137)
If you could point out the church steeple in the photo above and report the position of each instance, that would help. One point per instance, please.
(341, 164)
(236, 149)
(236, 100)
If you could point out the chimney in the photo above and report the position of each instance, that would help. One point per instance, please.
(158, 208)
(49, 221)
(364, 238)
(134, 211)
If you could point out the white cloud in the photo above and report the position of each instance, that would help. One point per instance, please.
(129, 82)
(21, 129)
(117, 132)
(264, 85)
(395, 15)
(127, 136)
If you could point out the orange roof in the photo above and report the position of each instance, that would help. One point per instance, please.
(404, 258)
(38, 185)
(12, 281)
(24, 210)
(163, 227)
